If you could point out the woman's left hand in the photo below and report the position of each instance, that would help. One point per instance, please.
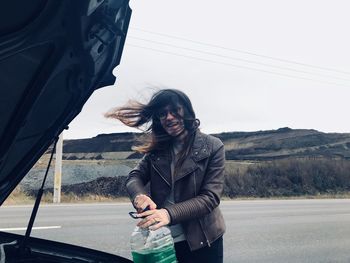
(154, 219)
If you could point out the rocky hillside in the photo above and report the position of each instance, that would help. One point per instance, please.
(85, 161)
(114, 142)
(285, 142)
(260, 145)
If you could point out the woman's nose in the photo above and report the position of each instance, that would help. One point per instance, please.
(170, 115)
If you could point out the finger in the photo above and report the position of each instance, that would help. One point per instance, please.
(148, 204)
(152, 205)
(146, 222)
(138, 199)
(156, 226)
(151, 219)
(142, 222)
(137, 206)
(144, 205)
(140, 209)
(141, 203)
(146, 213)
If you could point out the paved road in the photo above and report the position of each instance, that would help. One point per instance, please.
(257, 231)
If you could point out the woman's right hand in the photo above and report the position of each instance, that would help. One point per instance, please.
(142, 201)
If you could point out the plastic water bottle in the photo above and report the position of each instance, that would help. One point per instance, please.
(152, 246)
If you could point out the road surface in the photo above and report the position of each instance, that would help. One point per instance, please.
(257, 231)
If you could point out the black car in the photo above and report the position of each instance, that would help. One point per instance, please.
(53, 55)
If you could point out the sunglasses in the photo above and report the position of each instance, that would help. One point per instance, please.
(163, 114)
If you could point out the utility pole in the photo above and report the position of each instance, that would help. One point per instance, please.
(58, 170)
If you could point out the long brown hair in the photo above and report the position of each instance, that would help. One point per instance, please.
(144, 117)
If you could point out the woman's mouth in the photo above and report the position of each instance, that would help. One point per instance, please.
(174, 128)
(172, 124)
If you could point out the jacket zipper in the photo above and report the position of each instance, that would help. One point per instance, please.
(200, 222)
(160, 174)
(194, 181)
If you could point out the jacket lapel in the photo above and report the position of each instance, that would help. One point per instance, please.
(161, 164)
(161, 161)
(198, 152)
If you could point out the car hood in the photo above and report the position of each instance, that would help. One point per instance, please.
(43, 251)
(53, 55)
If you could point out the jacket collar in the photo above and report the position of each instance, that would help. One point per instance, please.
(161, 160)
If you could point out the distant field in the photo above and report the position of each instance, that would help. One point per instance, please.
(79, 170)
(242, 166)
(19, 197)
(93, 176)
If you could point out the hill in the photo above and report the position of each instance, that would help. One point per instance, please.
(282, 162)
(259, 145)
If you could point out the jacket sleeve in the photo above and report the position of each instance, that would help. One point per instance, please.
(138, 178)
(209, 194)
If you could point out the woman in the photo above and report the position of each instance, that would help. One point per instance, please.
(185, 169)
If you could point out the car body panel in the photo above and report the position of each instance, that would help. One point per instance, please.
(52, 58)
(53, 55)
(51, 251)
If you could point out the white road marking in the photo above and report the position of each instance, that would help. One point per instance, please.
(126, 203)
(24, 228)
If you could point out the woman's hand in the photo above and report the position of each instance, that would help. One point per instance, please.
(154, 219)
(142, 201)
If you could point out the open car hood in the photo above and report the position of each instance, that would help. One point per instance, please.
(45, 251)
(53, 55)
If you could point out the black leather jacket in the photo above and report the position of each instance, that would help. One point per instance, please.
(197, 188)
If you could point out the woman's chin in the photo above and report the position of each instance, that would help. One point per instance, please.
(174, 132)
(179, 135)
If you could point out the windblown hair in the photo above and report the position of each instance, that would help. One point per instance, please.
(144, 117)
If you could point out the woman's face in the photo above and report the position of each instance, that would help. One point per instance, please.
(171, 119)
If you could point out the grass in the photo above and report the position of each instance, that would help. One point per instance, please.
(90, 198)
(318, 196)
(18, 197)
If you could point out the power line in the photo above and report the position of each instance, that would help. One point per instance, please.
(242, 51)
(239, 59)
(237, 66)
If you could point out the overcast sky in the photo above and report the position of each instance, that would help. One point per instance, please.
(246, 65)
